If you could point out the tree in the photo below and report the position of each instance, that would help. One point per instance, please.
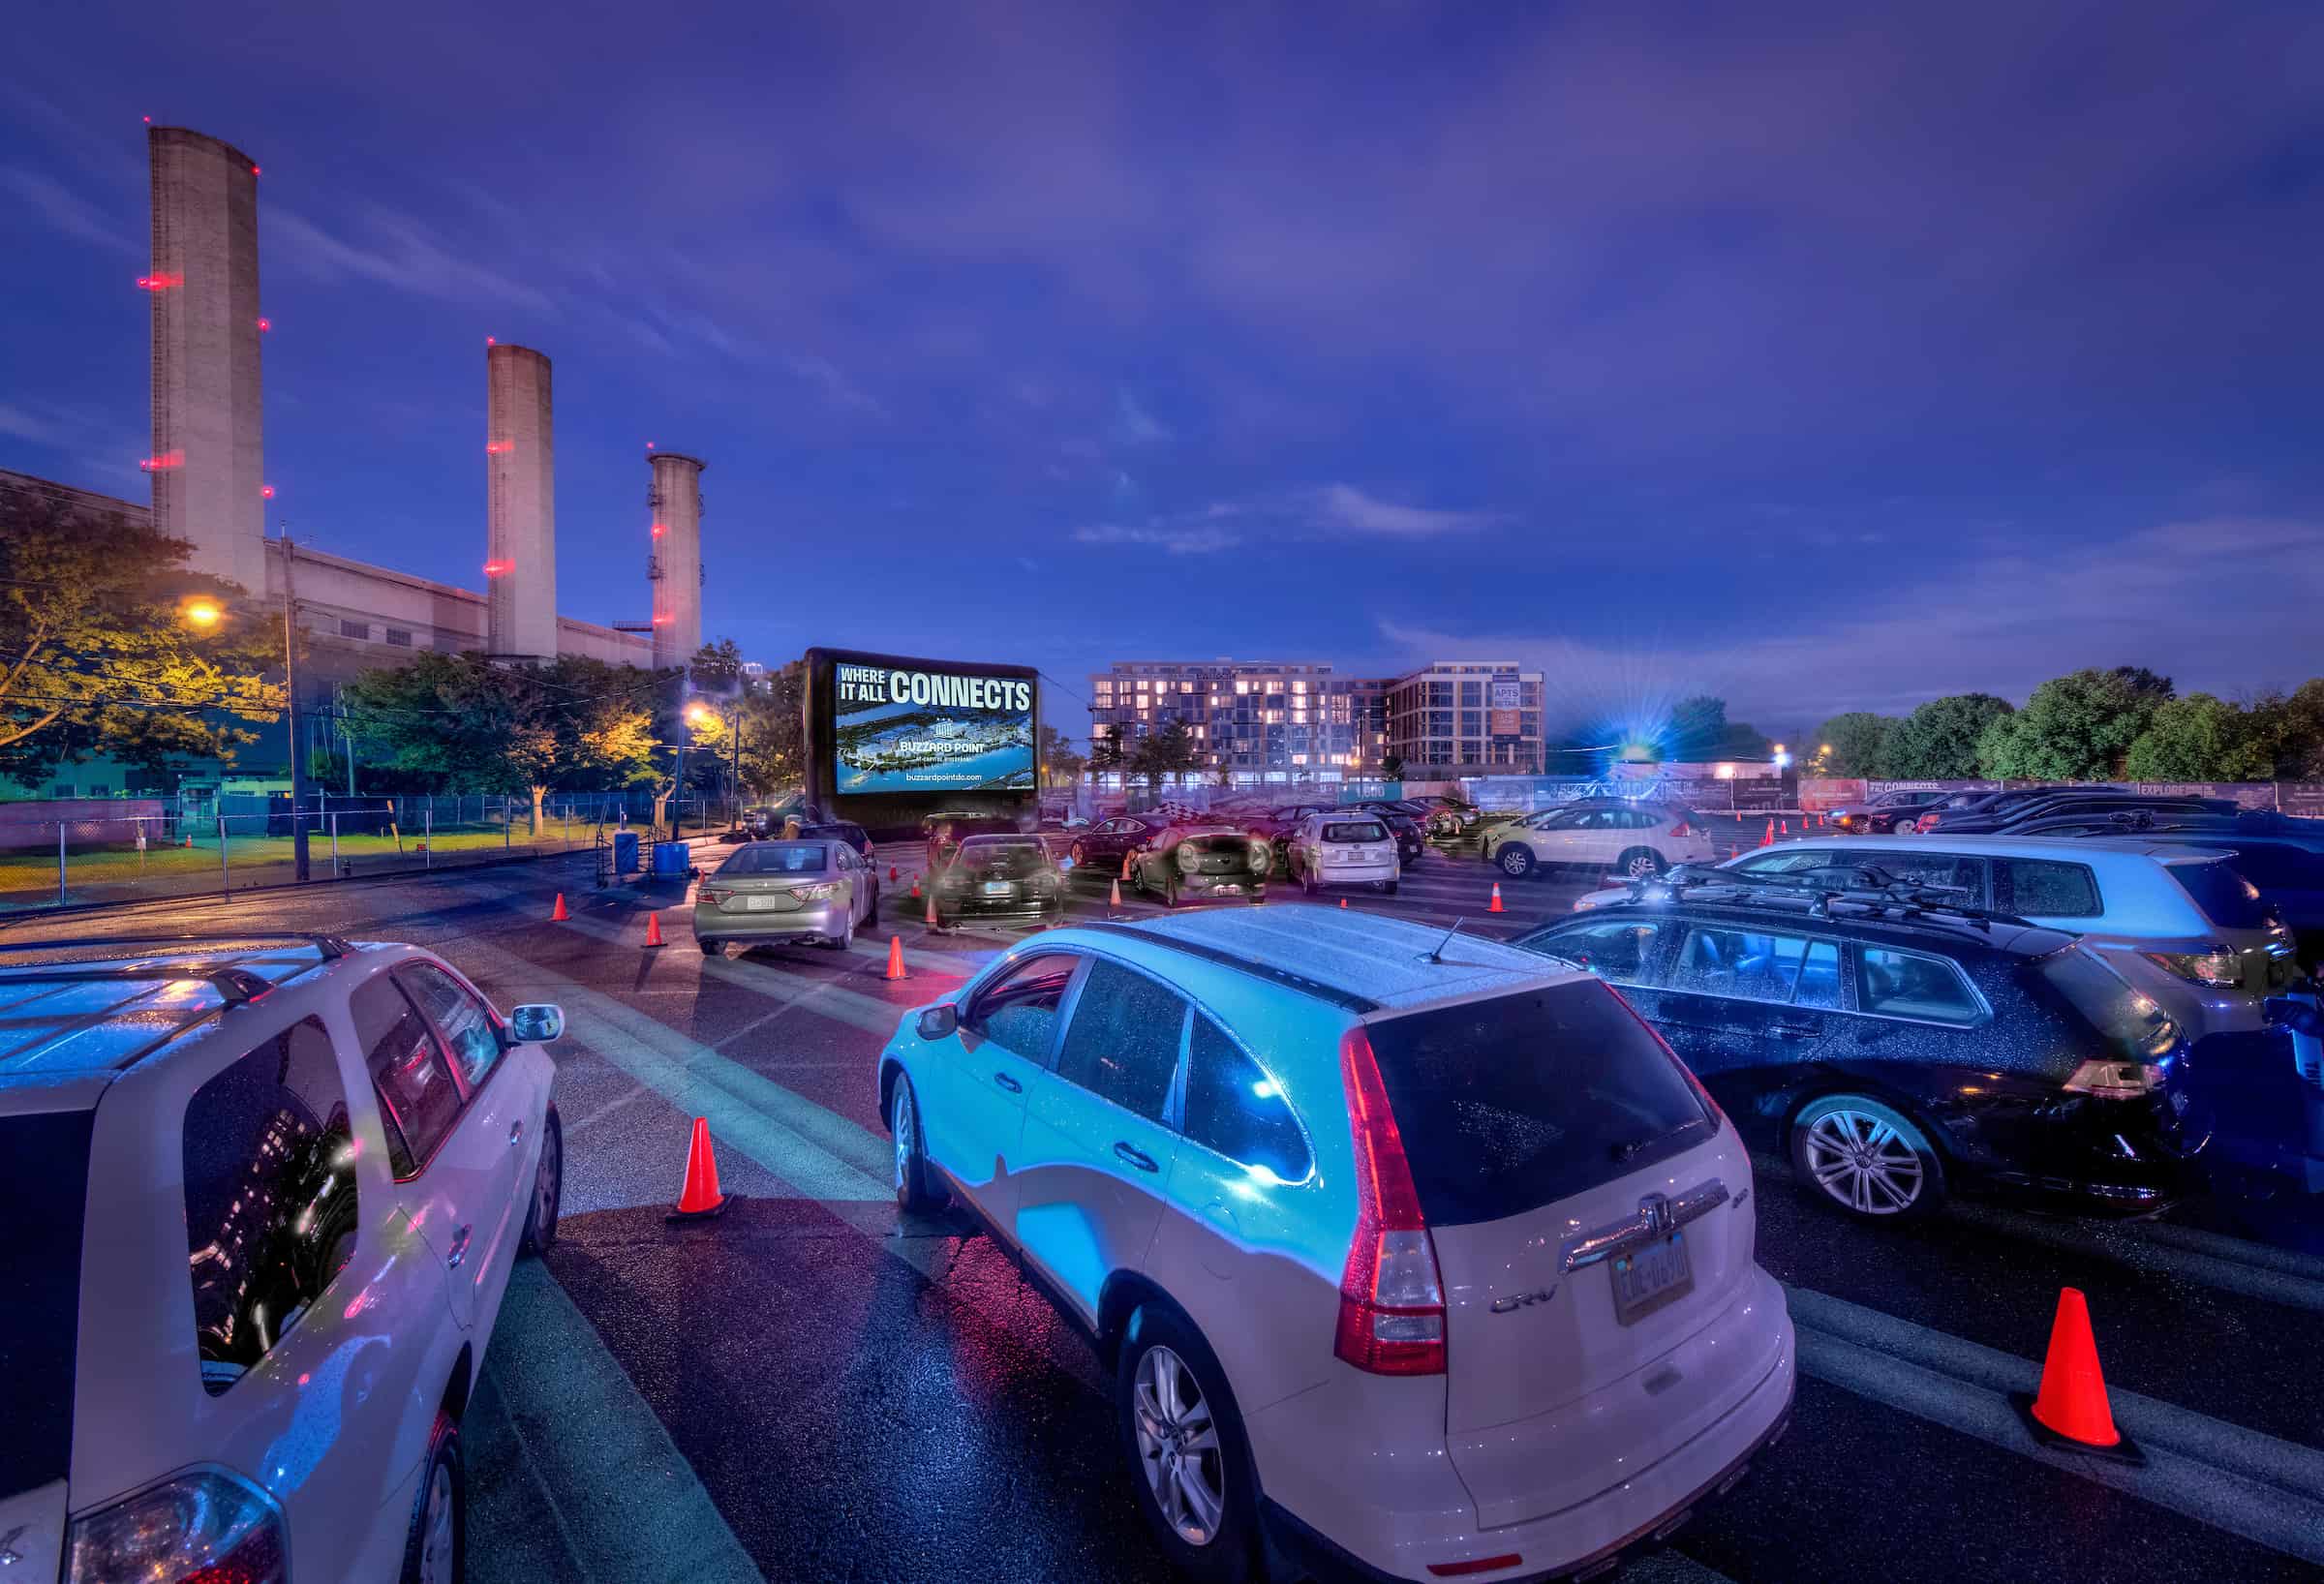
(1059, 763)
(1700, 732)
(1858, 741)
(1392, 767)
(716, 668)
(2074, 728)
(1938, 741)
(1160, 753)
(1105, 749)
(103, 650)
(2200, 737)
(466, 723)
(2292, 725)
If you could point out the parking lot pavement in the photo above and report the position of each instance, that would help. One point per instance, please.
(809, 1387)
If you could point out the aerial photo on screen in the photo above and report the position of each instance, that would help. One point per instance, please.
(922, 731)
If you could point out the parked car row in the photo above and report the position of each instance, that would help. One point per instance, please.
(1631, 838)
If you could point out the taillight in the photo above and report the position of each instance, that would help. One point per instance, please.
(2115, 1080)
(1681, 829)
(813, 894)
(1391, 1301)
(205, 1525)
(2216, 965)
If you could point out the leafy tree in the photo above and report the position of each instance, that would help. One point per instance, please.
(1938, 741)
(1392, 767)
(1159, 753)
(2292, 726)
(98, 654)
(1105, 749)
(1858, 742)
(716, 667)
(2200, 737)
(1700, 732)
(1061, 765)
(2074, 728)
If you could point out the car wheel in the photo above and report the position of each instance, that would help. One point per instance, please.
(1903, 827)
(845, 938)
(1307, 881)
(1640, 864)
(548, 1188)
(711, 946)
(1515, 860)
(436, 1548)
(1185, 1444)
(912, 1189)
(1867, 1158)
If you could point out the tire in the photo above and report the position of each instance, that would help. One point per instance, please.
(436, 1546)
(548, 1189)
(845, 938)
(1903, 827)
(1640, 864)
(712, 947)
(1859, 1156)
(910, 1154)
(1515, 860)
(1307, 881)
(1165, 1364)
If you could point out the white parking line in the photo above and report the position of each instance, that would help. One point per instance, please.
(2233, 1479)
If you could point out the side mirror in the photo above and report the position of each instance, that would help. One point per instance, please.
(938, 1021)
(2295, 1013)
(537, 1024)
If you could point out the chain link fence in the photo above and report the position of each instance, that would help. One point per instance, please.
(190, 852)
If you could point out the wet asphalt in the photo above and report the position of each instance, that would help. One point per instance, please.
(811, 1388)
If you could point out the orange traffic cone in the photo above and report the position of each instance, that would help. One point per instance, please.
(700, 1198)
(893, 871)
(915, 888)
(652, 930)
(1768, 840)
(1125, 865)
(558, 914)
(1113, 897)
(1496, 906)
(895, 956)
(1343, 901)
(932, 921)
(1787, 827)
(189, 839)
(2071, 1411)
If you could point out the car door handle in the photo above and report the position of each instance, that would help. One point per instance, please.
(516, 1130)
(1137, 1157)
(459, 1249)
(1797, 1031)
(1009, 1083)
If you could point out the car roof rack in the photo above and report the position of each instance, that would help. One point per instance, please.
(1878, 894)
(327, 946)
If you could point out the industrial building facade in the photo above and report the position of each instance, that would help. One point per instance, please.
(1256, 722)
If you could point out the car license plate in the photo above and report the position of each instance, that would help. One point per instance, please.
(999, 888)
(1647, 1278)
(761, 905)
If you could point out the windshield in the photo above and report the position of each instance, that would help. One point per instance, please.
(44, 1183)
(1217, 843)
(1366, 830)
(1511, 1104)
(778, 858)
(1014, 857)
(2219, 889)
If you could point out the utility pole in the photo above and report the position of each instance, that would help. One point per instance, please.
(298, 769)
(734, 779)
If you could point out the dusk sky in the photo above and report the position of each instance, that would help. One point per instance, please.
(1810, 358)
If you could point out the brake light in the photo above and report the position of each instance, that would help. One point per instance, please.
(1391, 1301)
(1477, 1565)
(813, 894)
(1681, 829)
(2217, 966)
(2115, 1080)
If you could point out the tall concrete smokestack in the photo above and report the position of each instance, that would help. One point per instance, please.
(520, 473)
(208, 435)
(674, 566)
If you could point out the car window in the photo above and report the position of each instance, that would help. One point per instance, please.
(1342, 830)
(1783, 861)
(464, 1020)
(2219, 889)
(776, 857)
(271, 1197)
(1929, 990)
(1123, 1042)
(1620, 950)
(1019, 1010)
(2045, 887)
(1234, 1108)
(1950, 870)
(1753, 966)
(418, 1101)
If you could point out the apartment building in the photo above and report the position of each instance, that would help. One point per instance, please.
(1261, 721)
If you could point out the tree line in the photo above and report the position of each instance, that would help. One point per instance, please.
(2126, 723)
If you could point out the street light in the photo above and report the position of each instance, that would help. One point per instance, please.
(201, 611)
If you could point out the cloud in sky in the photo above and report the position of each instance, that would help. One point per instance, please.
(1186, 539)
(1344, 505)
(400, 251)
(66, 211)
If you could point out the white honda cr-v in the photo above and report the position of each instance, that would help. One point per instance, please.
(264, 1196)
(1412, 1255)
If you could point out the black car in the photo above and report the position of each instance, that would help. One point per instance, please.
(796, 829)
(1900, 1042)
(1412, 839)
(2012, 819)
(945, 833)
(1962, 805)
(999, 876)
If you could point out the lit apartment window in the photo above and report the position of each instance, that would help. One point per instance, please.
(1241, 685)
(1299, 688)
(1186, 687)
(1298, 758)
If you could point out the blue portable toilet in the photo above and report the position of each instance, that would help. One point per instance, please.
(624, 852)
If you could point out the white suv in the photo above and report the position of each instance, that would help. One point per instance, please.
(1635, 841)
(264, 1193)
(1409, 1253)
(1340, 848)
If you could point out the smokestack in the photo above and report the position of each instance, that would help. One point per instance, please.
(209, 433)
(674, 565)
(520, 473)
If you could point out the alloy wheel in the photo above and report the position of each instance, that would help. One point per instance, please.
(549, 1179)
(1864, 1163)
(1178, 1447)
(905, 1132)
(436, 1545)
(1643, 865)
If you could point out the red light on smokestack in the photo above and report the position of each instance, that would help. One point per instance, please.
(662, 621)
(168, 459)
(148, 120)
(265, 325)
(649, 445)
(492, 340)
(160, 283)
(266, 492)
(254, 169)
(498, 569)
(494, 447)
(659, 528)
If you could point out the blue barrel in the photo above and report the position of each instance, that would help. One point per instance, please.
(624, 852)
(672, 858)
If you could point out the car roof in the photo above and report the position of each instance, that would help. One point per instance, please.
(2070, 849)
(1002, 839)
(1362, 962)
(97, 1004)
(1927, 931)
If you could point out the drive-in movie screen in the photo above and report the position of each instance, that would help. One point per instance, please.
(896, 729)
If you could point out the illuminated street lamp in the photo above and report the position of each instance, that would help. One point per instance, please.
(201, 611)
(1783, 760)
